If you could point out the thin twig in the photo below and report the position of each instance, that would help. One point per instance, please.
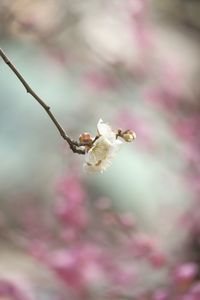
(74, 146)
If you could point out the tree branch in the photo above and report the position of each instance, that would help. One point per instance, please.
(74, 146)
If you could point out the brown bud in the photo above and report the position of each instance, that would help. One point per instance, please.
(85, 138)
(129, 136)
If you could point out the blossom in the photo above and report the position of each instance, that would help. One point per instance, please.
(185, 273)
(98, 157)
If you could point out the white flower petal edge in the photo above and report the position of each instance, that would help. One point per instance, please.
(99, 157)
(106, 131)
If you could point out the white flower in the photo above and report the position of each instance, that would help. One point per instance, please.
(99, 156)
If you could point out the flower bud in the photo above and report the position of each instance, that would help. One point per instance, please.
(85, 138)
(129, 136)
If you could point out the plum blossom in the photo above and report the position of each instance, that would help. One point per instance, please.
(185, 273)
(98, 158)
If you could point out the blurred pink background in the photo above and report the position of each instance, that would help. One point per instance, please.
(133, 231)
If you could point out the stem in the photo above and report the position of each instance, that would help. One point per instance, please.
(72, 144)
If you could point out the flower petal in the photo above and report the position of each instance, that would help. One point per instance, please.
(106, 131)
(100, 149)
(99, 157)
(90, 158)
